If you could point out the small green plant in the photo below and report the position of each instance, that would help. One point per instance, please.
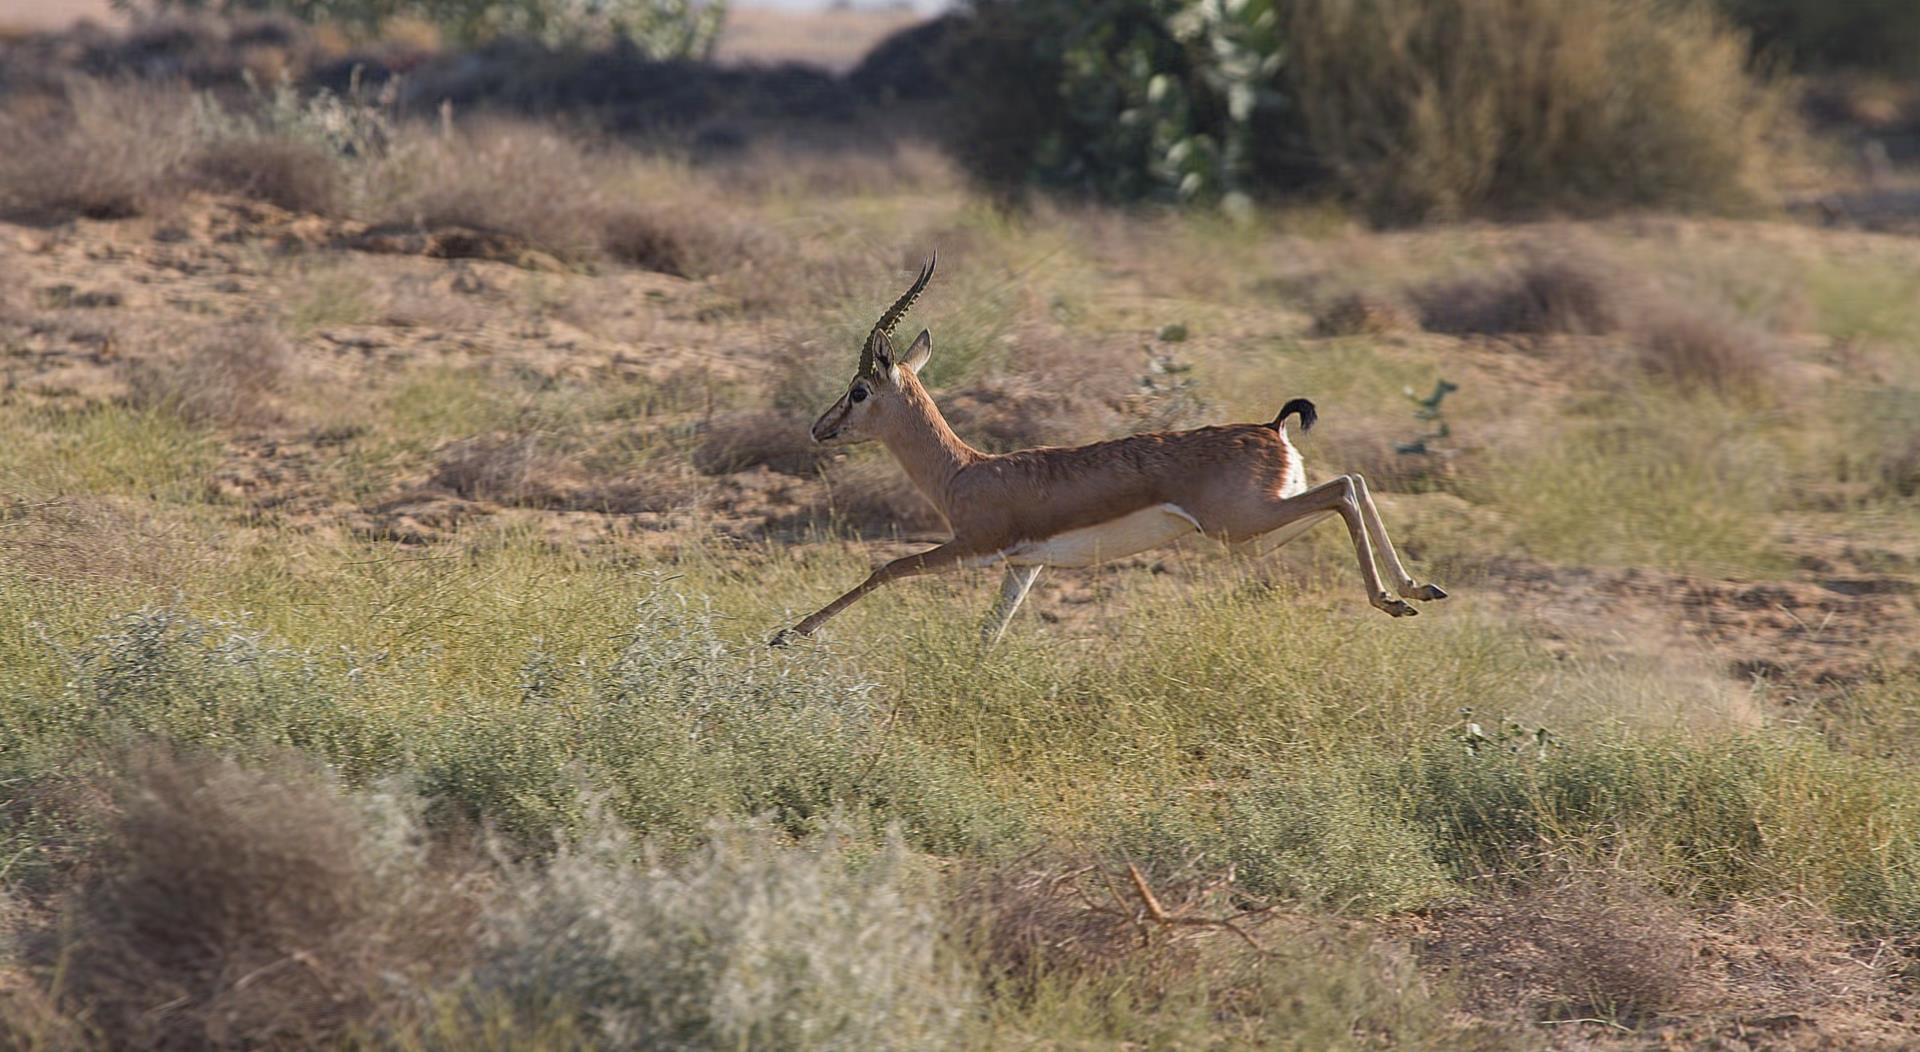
(1427, 411)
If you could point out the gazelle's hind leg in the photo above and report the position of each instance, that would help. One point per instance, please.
(1377, 529)
(1267, 542)
(1340, 497)
(1013, 590)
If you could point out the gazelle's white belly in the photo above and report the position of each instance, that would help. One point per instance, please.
(1114, 539)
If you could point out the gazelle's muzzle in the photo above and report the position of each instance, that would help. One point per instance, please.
(827, 428)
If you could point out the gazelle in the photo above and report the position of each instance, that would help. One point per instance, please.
(1241, 484)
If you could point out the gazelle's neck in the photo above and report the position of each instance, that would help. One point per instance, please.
(925, 446)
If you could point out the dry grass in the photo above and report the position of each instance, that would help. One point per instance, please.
(523, 470)
(232, 909)
(1444, 107)
(1547, 293)
(1691, 341)
(1701, 346)
(741, 440)
(110, 150)
(551, 193)
(1362, 314)
(1580, 949)
(232, 376)
(1042, 919)
(295, 175)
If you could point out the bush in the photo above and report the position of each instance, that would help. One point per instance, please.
(1413, 108)
(677, 729)
(1876, 34)
(225, 908)
(1444, 107)
(1121, 98)
(547, 191)
(296, 176)
(231, 376)
(110, 151)
(1545, 294)
(747, 944)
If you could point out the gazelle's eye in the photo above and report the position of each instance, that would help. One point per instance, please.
(859, 394)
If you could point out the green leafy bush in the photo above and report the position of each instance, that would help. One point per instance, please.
(1412, 108)
(1876, 34)
(1121, 98)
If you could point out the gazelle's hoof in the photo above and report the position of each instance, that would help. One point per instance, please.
(1427, 593)
(782, 638)
(1397, 607)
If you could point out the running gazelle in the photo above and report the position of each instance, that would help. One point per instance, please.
(1241, 484)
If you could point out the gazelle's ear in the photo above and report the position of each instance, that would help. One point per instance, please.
(918, 354)
(881, 348)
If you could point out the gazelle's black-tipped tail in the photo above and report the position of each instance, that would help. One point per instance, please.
(1299, 405)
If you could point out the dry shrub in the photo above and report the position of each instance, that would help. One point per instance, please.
(549, 192)
(98, 539)
(1547, 293)
(295, 175)
(113, 149)
(1426, 108)
(1704, 347)
(750, 942)
(1691, 341)
(535, 185)
(738, 441)
(1361, 314)
(227, 908)
(230, 376)
(1579, 949)
(509, 469)
(1033, 919)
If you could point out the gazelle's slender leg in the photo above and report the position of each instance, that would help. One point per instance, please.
(1013, 590)
(932, 560)
(1403, 581)
(1341, 497)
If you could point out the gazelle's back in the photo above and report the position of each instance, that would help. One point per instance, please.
(1206, 472)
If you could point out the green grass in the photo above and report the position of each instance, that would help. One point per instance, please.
(50, 453)
(1655, 480)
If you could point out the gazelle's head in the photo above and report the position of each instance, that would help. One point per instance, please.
(880, 389)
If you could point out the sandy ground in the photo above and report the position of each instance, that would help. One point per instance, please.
(51, 14)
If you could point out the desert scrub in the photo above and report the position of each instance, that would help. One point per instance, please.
(1321, 836)
(1710, 818)
(1411, 108)
(102, 449)
(678, 728)
(1653, 479)
(747, 942)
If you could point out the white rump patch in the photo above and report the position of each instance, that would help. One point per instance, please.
(1114, 539)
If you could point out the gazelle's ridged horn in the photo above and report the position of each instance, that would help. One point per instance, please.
(884, 327)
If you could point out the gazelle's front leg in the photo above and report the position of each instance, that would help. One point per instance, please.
(1013, 589)
(931, 561)
(1377, 529)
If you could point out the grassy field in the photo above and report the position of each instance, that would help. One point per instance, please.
(382, 662)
